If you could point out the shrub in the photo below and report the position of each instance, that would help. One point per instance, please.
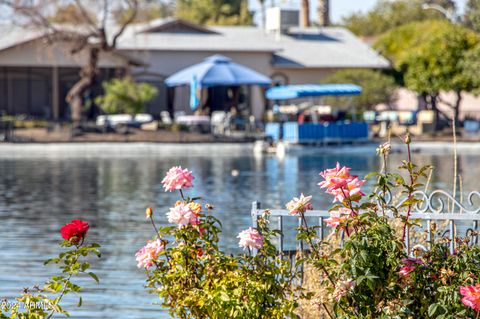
(360, 271)
(195, 279)
(370, 275)
(123, 95)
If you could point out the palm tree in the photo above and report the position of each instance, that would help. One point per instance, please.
(305, 14)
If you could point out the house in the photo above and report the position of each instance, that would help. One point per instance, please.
(34, 77)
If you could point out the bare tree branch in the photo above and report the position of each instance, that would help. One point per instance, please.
(105, 14)
(32, 12)
(86, 16)
(133, 6)
(92, 38)
(445, 102)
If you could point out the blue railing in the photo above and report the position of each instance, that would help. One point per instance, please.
(311, 133)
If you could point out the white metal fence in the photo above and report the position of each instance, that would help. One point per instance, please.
(438, 206)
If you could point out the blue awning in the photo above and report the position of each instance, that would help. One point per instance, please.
(288, 92)
(218, 70)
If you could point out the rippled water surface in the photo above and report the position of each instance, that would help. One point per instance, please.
(40, 191)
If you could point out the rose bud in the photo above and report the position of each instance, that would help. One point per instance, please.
(149, 212)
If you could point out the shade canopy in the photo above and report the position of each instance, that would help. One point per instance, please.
(217, 70)
(287, 92)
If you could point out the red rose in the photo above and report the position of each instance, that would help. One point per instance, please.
(75, 231)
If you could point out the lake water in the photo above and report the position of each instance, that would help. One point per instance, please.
(43, 187)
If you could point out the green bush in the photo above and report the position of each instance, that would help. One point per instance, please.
(195, 279)
(370, 275)
(123, 95)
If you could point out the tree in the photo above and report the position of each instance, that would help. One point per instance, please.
(432, 56)
(387, 15)
(123, 95)
(214, 12)
(71, 14)
(471, 17)
(305, 14)
(377, 87)
(93, 36)
(149, 11)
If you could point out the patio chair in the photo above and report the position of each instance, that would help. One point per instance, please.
(217, 122)
(177, 114)
(143, 118)
(165, 118)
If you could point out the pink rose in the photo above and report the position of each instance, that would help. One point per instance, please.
(299, 205)
(250, 238)
(341, 184)
(409, 265)
(183, 215)
(343, 288)
(177, 179)
(337, 173)
(338, 217)
(471, 296)
(147, 255)
(351, 188)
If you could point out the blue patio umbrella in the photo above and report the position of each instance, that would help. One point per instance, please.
(218, 70)
(193, 93)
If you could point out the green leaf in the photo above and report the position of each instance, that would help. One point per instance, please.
(79, 302)
(370, 175)
(91, 274)
(51, 260)
(436, 309)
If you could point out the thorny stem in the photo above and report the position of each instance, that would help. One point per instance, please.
(314, 249)
(64, 290)
(349, 201)
(410, 193)
(155, 227)
(384, 171)
(159, 237)
(349, 206)
(327, 311)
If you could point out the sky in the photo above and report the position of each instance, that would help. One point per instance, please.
(338, 8)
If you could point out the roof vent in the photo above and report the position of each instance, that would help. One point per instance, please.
(280, 20)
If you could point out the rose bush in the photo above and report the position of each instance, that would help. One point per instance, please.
(45, 302)
(195, 279)
(369, 275)
(362, 267)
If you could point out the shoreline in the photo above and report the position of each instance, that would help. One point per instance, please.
(118, 149)
(429, 147)
(133, 135)
(157, 149)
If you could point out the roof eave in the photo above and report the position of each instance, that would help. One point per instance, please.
(364, 66)
(200, 50)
